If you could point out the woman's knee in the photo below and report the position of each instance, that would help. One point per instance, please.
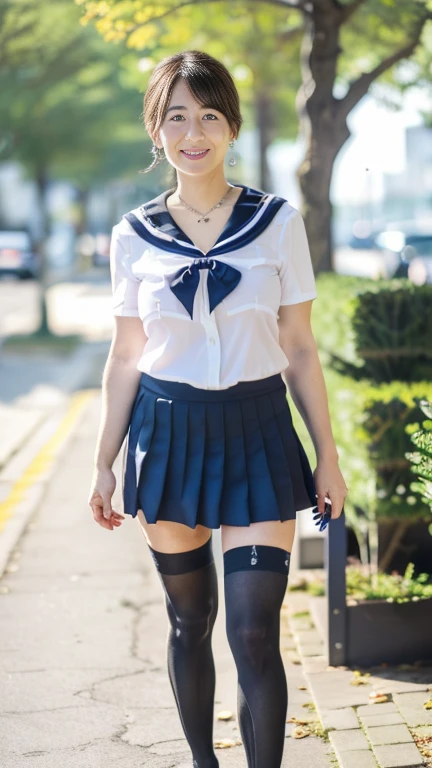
(253, 642)
(193, 626)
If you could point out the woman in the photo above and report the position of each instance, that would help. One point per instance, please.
(213, 287)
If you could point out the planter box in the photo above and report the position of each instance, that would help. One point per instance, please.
(378, 631)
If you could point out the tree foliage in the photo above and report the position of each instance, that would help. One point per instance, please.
(346, 46)
(62, 100)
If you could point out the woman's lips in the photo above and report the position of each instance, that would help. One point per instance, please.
(195, 157)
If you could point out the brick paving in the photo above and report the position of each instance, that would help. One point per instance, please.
(365, 734)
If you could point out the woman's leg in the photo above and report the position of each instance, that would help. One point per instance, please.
(256, 566)
(187, 571)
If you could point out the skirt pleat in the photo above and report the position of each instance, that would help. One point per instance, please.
(263, 503)
(176, 468)
(279, 463)
(234, 503)
(300, 472)
(152, 455)
(213, 468)
(196, 436)
(215, 457)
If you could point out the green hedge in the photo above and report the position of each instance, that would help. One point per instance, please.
(369, 418)
(392, 326)
(421, 437)
(388, 410)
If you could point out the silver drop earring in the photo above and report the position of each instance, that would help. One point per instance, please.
(232, 160)
(156, 152)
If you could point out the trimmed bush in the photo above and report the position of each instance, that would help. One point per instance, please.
(392, 326)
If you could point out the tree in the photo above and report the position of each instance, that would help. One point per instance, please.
(347, 45)
(63, 107)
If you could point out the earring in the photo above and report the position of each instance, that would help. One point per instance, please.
(232, 160)
(157, 152)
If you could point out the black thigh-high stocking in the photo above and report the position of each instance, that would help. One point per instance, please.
(191, 597)
(255, 581)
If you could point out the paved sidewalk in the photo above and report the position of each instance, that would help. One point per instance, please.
(363, 732)
(83, 627)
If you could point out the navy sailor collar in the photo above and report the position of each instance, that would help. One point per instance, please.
(252, 213)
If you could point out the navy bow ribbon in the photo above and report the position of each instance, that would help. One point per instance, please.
(222, 279)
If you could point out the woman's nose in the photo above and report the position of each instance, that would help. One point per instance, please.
(194, 131)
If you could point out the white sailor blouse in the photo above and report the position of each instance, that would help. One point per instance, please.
(211, 319)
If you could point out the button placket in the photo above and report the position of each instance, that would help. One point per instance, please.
(208, 322)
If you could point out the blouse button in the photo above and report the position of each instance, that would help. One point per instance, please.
(212, 340)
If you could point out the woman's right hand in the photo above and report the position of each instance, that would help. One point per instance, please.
(101, 492)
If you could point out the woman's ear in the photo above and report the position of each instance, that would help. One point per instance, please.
(155, 139)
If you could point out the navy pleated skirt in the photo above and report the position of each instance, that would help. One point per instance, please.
(212, 457)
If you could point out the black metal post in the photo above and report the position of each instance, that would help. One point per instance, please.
(335, 562)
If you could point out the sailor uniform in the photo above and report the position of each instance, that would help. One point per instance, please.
(211, 440)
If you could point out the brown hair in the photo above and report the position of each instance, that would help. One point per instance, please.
(208, 80)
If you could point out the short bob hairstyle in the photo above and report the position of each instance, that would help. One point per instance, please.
(209, 82)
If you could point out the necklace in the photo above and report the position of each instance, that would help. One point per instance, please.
(204, 216)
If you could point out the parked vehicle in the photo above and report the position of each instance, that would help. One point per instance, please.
(18, 256)
(398, 253)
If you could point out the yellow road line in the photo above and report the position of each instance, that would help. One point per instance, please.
(45, 458)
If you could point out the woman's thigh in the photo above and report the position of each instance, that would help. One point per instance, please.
(273, 533)
(170, 538)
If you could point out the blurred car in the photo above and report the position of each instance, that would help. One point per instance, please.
(18, 256)
(392, 253)
(413, 251)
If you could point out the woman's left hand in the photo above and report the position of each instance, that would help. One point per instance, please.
(329, 482)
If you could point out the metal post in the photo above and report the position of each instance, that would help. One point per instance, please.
(335, 562)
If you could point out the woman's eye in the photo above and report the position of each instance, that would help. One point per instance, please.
(208, 114)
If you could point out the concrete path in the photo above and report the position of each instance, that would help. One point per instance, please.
(83, 627)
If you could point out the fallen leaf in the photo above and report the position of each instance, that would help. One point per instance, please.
(360, 679)
(300, 733)
(378, 698)
(225, 714)
(302, 687)
(226, 743)
(427, 704)
(305, 721)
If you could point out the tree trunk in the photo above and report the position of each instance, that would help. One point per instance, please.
(264, 123)
(82, 224)
(323, 128)
(41, 178)
(314, 177)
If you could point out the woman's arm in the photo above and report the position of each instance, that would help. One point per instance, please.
(119, 388)
(305, 381)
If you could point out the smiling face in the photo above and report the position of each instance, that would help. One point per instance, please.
(190, 127)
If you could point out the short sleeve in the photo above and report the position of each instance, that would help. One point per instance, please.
(296, 273)
(124, 283)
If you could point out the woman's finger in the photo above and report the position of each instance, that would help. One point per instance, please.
(103, 522)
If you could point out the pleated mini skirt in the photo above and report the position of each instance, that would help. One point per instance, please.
(214, 457)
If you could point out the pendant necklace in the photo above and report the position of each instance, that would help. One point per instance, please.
(204, 216)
